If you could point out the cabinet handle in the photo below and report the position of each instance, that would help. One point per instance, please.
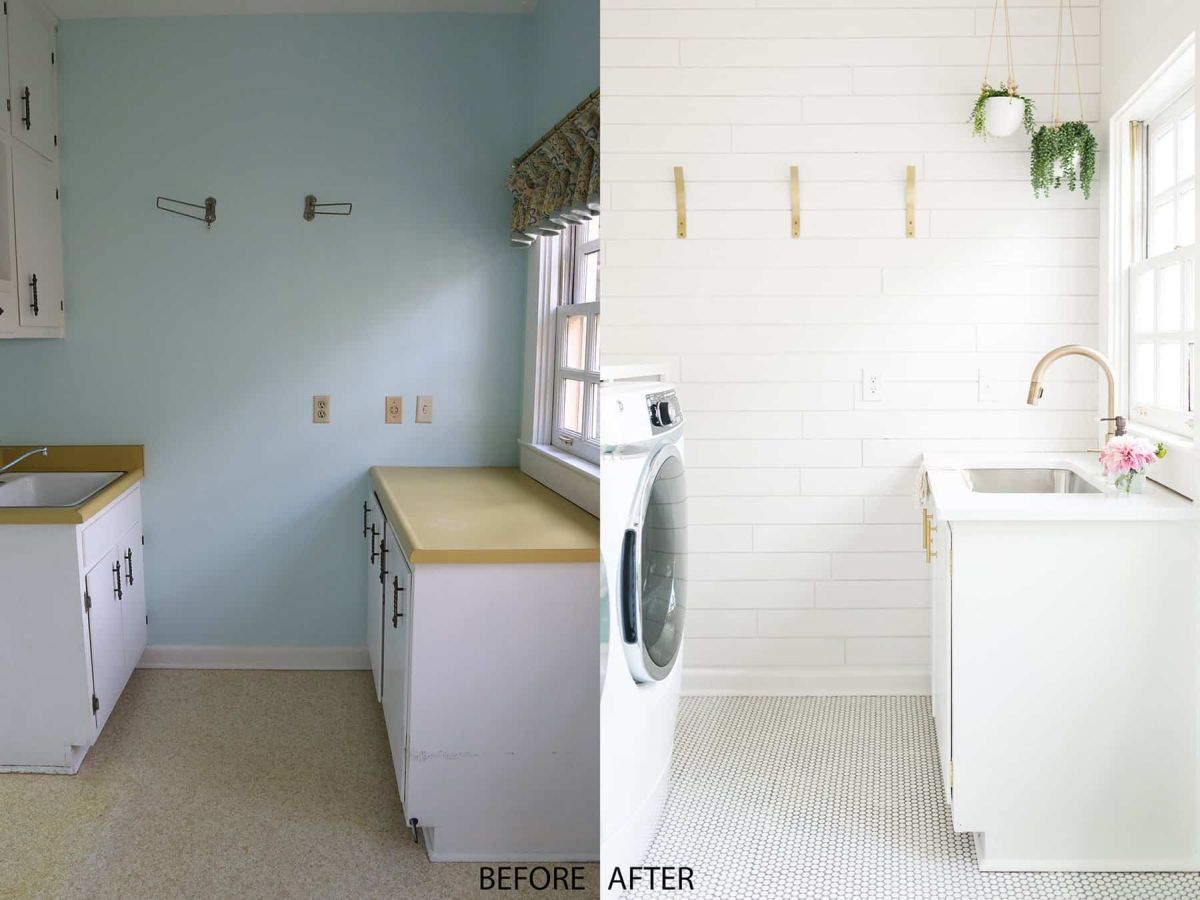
(374, 534)
(929, 529)
(117, 580)
(129, 566)
(383, 561)
(28, 107)
(33, 304)
(364, 518)
(396, 589)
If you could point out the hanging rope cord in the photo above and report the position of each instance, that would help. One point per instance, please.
(1058, 60)
(1011, 85)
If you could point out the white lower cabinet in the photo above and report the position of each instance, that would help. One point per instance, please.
(491, 722)
(398, 586)
(74, 614)
(1065, 692)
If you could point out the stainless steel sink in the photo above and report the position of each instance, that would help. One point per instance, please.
(1027, 481)
(52, 489)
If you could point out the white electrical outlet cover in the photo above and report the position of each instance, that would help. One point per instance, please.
(425, 409)
(321, 412)
(872, 386)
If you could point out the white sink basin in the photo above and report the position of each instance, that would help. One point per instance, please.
(52, 489)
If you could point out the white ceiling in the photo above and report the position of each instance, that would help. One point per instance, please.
(102, 9)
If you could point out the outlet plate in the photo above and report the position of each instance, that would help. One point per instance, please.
(393, 410)
(425, 409)
(872, 386)
(321, 414)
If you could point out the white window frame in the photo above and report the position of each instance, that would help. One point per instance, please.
(574, 250)
(1180, 470)
(1181, 420)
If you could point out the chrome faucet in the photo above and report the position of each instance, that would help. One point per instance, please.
(45, 451)
(1035, 382)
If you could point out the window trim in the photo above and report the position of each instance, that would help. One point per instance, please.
(561, 437)
(1180, 471)
(1181, 420)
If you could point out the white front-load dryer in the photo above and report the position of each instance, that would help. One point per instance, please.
(644, 543)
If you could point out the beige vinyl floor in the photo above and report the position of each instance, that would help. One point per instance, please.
(221, 785)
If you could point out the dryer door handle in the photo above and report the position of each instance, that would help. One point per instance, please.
(629, 586)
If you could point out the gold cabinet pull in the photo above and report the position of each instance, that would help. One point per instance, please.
(910, 202)
(794, 178)
(680, 204)
(929, 529)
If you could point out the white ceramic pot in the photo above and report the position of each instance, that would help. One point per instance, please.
(1003, 115)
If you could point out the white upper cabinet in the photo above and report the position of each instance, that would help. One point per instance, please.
(39, 293)
(33, 104)
(8, 244)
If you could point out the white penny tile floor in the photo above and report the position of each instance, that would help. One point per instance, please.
(837, 798)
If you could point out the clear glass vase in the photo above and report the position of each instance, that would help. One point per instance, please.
(1131, 482)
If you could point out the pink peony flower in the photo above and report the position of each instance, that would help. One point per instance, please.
(1127, 454)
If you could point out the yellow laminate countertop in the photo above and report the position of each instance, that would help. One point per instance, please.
(445, 515)
(126, 458)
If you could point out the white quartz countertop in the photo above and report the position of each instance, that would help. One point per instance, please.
(955, 501)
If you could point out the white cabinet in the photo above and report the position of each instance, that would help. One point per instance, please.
(74, 616)
(1064, 687)
(373, 525)
(398, 586)
(32, 302)
(32, 90)
(40, 299)
(487, 677)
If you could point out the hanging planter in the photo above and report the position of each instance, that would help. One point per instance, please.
(1064, 152)
(999, 111)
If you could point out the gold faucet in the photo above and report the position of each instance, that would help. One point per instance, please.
(1035, 382)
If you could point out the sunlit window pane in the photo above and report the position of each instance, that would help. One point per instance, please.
(594, 362)
(576, 342)
(1187, 218)
(1189, 295)
(572, 405)
(1170, 375)
(1142, 383)
(1162, 160)
(1187, 146)
(1162, 227)
(591, 278)
(1143, 302)
(594, 423)
(1169, 299)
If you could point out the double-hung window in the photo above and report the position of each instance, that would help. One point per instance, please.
(575, 425)
(1162, 274)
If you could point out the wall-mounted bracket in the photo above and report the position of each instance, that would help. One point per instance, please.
(209, 207)
(312, 208)
(795, 188)
(680, 204)
(910, 202)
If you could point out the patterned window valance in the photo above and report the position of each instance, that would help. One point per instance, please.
(557, 182)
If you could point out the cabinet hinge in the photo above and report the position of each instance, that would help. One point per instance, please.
(56, 140)
(147, 620)
(95, 704)
(56, 193)
(51, 57)
(951, 773)
(8, 104)
(87, 602)
(6, 9)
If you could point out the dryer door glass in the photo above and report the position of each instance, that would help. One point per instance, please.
(663, 559)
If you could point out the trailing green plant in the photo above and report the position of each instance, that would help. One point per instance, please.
(1063, 152)
(979, 113)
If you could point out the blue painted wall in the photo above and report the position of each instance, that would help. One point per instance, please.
(565, 59)
(208, 346)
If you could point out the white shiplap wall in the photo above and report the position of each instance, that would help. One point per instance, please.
(807, 573)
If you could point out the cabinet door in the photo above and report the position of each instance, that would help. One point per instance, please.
(102, 597)
(939, 550)
(39, 241)
(133, 603)
(8, 243)
(32, 88)
(396, 631)
(372, 534)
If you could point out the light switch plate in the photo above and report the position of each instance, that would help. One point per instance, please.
(425, 409)
(393, 410)
(321, 409)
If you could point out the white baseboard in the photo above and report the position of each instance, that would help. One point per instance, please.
(829, 680)
(183, 656)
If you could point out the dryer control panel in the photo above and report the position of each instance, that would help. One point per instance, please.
(664, 410)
